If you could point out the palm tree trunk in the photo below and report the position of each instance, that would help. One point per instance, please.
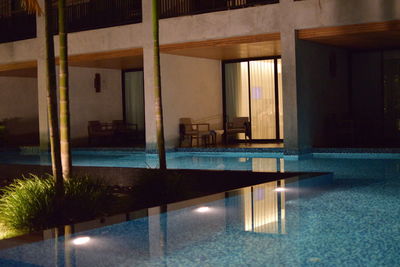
(64, 93)
(52, 104)
(157, 88)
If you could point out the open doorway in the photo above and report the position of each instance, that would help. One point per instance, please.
(253, 89)
(133, 101)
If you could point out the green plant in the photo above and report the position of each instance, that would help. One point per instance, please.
(28, 204)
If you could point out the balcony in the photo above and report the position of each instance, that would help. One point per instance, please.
(177, 8)
(84, 15)
(16, 25)
(81, 15)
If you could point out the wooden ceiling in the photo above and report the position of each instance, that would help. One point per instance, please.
(20, 69)
(253, 46)
(262, 45)
(121, 59)
(379, 35)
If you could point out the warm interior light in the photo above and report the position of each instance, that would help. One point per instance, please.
(81, 240)
(280, 189)
(203, 209)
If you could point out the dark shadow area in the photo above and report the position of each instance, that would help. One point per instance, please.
(17, 132)
(349, 96)
(141, 189)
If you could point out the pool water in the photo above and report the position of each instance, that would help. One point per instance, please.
(352, 222)
(344, 166)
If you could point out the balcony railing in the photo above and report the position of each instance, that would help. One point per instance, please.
(176, 8)
(16, 25)
(93, 14)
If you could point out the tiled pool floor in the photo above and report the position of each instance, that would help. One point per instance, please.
(355, 222)
(347, 225)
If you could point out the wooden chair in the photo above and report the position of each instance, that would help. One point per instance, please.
(98, 131)
(188, 129)
(238, 125)
(2, 133)
(124, 131)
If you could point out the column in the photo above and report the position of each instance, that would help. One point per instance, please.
(148, 70)
(41, 79)
(296, 134)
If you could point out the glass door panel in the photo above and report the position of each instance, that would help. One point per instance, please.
(262, 90)
(254, 89)
(134, 100)
(237, 91)
(280, 98)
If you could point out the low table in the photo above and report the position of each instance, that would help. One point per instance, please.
(213, 134)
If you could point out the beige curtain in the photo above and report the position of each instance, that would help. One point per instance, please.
(134, 106)
(262, 95)
(280, 96)
(236, 89)
(262, 84)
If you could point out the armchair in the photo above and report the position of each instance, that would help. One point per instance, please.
(239, 125)
(188, 129)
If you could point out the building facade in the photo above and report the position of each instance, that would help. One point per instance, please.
(327, 71)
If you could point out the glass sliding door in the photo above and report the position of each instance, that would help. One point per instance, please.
(391, 106)
(280, 96)
(237, 91)
(253, 88)
(134, 100)
(262, 99)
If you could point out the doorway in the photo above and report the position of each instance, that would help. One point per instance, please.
(391, 105)
(133, 101)
(253, 89)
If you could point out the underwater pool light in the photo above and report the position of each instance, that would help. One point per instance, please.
(81, 240)
(280, 189)
(203, 209)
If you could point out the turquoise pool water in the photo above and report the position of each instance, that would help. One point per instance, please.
(365, 166)
(353, 222)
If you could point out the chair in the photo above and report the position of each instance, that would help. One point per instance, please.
(98, 130)
(2, 133)
(126, 131)
(188, 129)
(238, 125)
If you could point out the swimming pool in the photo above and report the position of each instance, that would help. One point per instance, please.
(354, 222)
(350, 166)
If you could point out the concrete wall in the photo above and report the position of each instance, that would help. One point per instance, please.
(19, 110)
(87, 105)
(191, 87)
(323, 89)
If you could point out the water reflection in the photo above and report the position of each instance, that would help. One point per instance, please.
(168, 234)
(264, 208)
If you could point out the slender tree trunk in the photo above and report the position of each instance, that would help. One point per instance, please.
(52, 104)
(157, 88)
(64, 93)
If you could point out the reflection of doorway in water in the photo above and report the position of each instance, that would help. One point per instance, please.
(268, 165)
(264, 208)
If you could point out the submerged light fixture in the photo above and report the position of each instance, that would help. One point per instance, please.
(82, 240)
(202, 209)
(280, 189)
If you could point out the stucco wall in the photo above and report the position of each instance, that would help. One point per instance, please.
(216, 25)
(87, 105)
(284, 17)
(191, 87)
(323, 89)
(19, 102)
